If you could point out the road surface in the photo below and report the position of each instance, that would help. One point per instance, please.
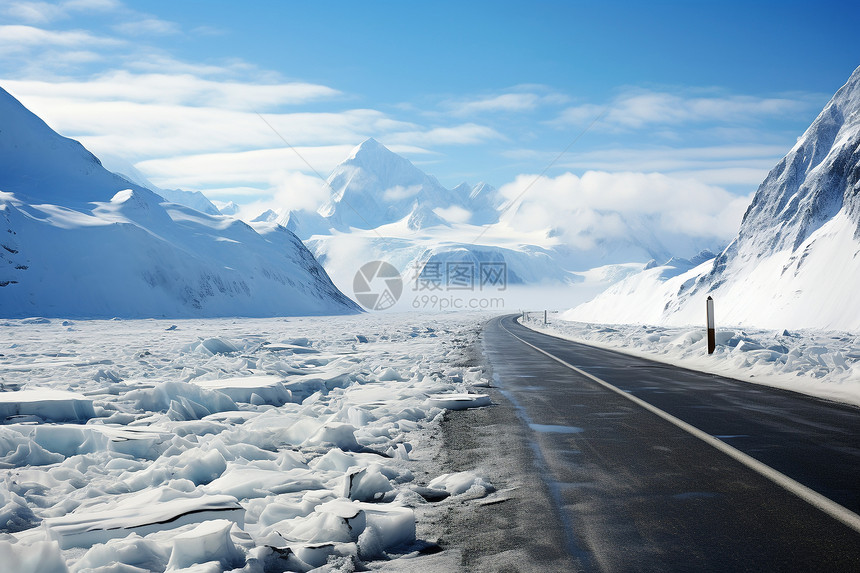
(695, 473)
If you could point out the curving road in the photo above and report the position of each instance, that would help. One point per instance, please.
(656, 468)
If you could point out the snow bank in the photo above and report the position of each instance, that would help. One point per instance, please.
(815, 362)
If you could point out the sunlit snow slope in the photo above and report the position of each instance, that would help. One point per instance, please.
(77, 240)
(796, 259)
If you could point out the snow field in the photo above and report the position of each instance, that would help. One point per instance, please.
(815, 362)
(223, 444)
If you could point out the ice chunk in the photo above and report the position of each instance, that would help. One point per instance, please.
(218, 346)
(269, 388)
(334, 434)
(388, 526)
(251, 482)
(334, 521)
(133, 551)
(23, 451)
(366, 484)
(144, 512)
(182, 400)
(39, 557)
(335, 460)
(209, 541)
(319, 554)
(459, 401)
(74, 439)
(460, 482)
(15, 513)
(294, 348)
(47, 404)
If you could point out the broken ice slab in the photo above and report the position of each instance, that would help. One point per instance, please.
(142, 513)
(209, 541)
(47, 404)
(74, 439)
(459, 401)
(252, 482)
(260, 389)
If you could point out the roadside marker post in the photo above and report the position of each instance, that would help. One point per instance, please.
(712, 336)
(544, 317)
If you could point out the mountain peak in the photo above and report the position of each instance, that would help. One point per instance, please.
(369, 151)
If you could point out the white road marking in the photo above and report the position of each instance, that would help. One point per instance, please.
(825, 504)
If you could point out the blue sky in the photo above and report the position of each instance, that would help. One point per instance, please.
(708, 95)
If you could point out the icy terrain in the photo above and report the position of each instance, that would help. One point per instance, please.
(254, 444)
(796, 260)
(816, 362)
(77, 240)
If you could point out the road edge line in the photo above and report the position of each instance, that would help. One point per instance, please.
(825, 504)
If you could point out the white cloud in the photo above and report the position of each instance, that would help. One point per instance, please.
(399, 192)
(637, 109)
(45, 12)
(262, 168)
(668, 160)
(523, 98)
(139, 130)
(148, 26)
(295, 191)
(18, 38)
(454, 214)
(719, 164)
(601, 206)
(34, 12)
(92, 5)
(464, 134)
(504, 102)
(174, 89)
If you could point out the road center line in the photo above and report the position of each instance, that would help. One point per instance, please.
(828, 506)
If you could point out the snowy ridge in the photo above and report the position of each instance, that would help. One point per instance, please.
(77, 240)
(795, 262)
(194, 199)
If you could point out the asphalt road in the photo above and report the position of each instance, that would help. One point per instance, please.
(634, 491)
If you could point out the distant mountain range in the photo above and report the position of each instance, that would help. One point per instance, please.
(796, 259)
(77, 240)
(381, 206)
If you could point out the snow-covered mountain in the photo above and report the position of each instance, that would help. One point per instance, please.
(796, 259)
(374, 186)
(77, 240)
(382, 207)
(230, 208)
